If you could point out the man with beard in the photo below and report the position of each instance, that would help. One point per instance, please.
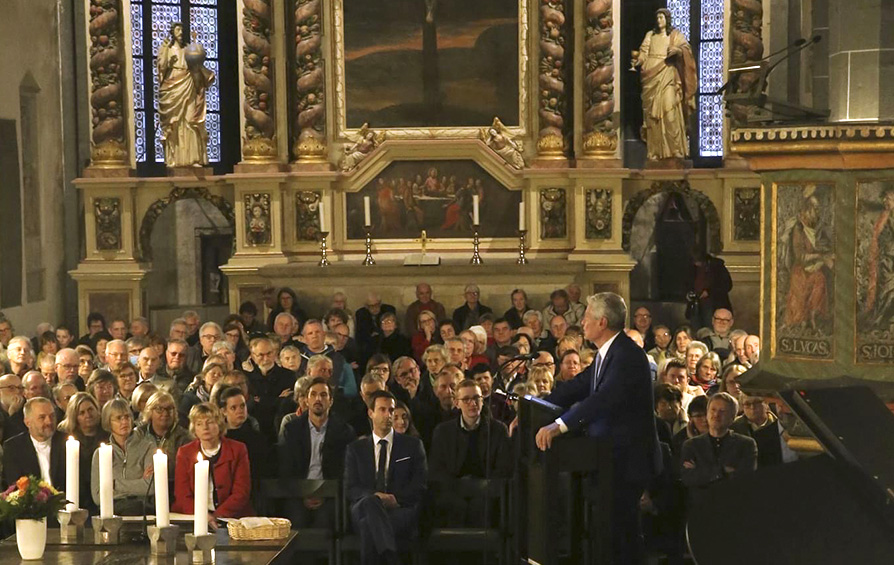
(312, 446)
(268, 383)
(11, 402)
(39, 451)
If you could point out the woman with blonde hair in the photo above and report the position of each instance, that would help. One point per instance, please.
(426, 334)
(82, 423)
(542, 378)
(131, 460)
(159, 426)
(229, 487)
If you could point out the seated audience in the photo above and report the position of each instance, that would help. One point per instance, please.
(39, 450)
(729, 382)
(694, 351)
(706, 371)
(669, 408)
(542, 378)
(514, 315)
(717, 336)
(697, 412)
(445, 391)
(495, 405)
(126, 379)
(433, 360)
(131, 461)
(158, 425)
(680, 342)
(62, 393)
(200, 389)
(229, 487)
(718, 454)
(103, 386)
(753, 349)
(82, 422)
(268, 382)
(423, 303)
(762, 425)
(569, 365)
(390, 341)
(313, 447)
(642, 323)
(369, 319)
(314, 343)
(425, 334)
(140, 396)
(468, 314)
(560, 305)
(662, 340)
(403, 420)
(473, 350)
(385, 481)
(446, 330)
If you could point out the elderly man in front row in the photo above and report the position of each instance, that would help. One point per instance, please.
(40, 451)
(613, 398)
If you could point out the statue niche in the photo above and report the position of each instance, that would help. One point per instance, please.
(183, 80)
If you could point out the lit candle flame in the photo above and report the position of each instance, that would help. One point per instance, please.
(199, 459)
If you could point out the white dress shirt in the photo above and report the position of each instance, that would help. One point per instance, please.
(377, 449)
(597, 367)
(43, 458)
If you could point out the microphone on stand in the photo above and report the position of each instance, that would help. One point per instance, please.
(144, 533)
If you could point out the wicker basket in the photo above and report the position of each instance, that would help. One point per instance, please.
(279, 530)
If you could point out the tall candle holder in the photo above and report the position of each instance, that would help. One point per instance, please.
(369, 257)
(522, 260)
(71, 525)
(106, 531)
(476, 257)
(324, 260)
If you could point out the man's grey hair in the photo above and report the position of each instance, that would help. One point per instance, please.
(610, 306)
(29, 406)
(21, 339)
(286, 315)
(190, 314)
(116, 342)
(141, 320)
(395, 367)
(137, 341)
(736, 334)
(222, 344)
(177, 322)
(213, 325)
(725, 397)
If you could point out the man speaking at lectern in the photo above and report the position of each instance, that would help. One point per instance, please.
(613, 398)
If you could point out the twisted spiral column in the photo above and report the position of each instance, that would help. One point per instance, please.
(309, 83)
(599, 133)
(258, 127)
(551, 142)
(109, 148)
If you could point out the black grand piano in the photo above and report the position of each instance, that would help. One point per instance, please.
(833, 508)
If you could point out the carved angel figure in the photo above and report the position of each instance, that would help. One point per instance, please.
(364, 143)
(497, 138)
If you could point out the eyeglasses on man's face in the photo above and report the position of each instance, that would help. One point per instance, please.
(469, 400)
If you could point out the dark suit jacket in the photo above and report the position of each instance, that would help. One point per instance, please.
(622, 408)
(450, 445)
(367, 324)
(407, 470)
(464, 318)
(20, 459)
(737, 451)
(295, 445)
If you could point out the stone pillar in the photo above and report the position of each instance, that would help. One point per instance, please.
(595, 81)
(109, 149)
(309, 84)
(552, 85)
(861, 62)
(258, 96)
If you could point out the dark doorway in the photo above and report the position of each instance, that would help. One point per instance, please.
(216, 249)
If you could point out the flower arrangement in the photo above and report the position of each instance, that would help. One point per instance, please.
(30, 499)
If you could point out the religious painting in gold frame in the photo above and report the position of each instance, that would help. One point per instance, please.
(384, 73)
(802, 278)
(874, 272)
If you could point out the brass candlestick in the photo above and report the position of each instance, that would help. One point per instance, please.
(369, 256)
(522, 260)
(324, 260)
(476, 257)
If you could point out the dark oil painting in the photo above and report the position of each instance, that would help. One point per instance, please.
(435, 196)
(874, 271)
(431, 63)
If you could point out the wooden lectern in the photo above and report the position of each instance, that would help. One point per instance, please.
(567, 471)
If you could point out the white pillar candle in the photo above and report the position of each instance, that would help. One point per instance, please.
(106, 500)
(200, 522)
(322, 217)
(521, 216)
(72, 473)
(475, 209)
(367, 221)
(160, 467)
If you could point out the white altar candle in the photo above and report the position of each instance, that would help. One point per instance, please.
(106, 500)
(322, 218)
(521, 216)
(366, 217)
(475, 209)
(162, 511)
(200, 523)
(72, 473)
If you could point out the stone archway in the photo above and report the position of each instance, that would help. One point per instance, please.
(714, 243)
(157, 208)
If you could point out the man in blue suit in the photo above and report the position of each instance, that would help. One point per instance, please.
(613, 398)
(385, 478)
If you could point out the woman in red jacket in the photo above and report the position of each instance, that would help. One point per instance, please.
(230, 484)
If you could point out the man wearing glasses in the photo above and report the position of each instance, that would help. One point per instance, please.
(467, 315)
(12, 400)
(470, 445)
(209, 334)
(20, 355)
(67, 364)
(717, 337)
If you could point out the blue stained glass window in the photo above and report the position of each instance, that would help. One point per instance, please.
(139, 99)
(712, 20)
(136, 28)
(203, 25)
(162, 18)
(679, 10)
(710, 66)
(159, 146)
(212, 95)
(212, 123)
(139, 117)
(710, 125)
